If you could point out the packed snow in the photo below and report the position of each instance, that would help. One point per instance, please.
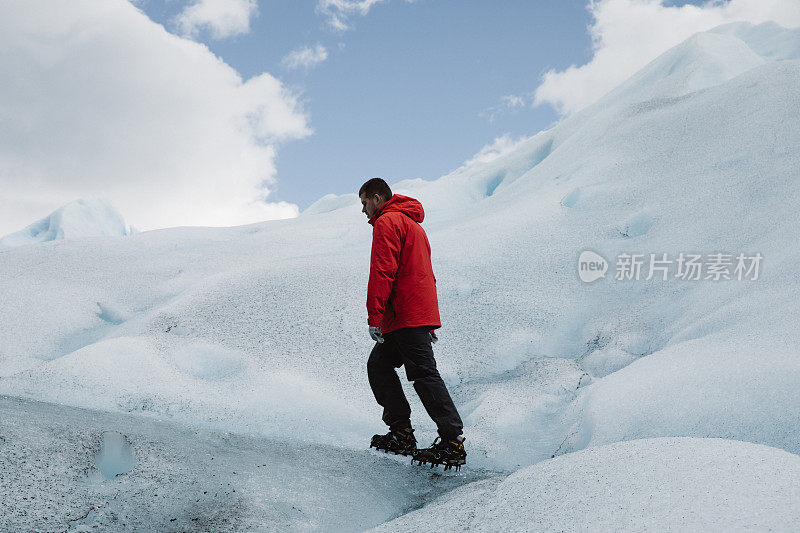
(79, 470)
(91, 217)
(665, 484)
(260, 330)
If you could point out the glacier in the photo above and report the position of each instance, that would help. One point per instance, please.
(247, 340)
(86, 217)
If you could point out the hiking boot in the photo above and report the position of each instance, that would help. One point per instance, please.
(449, 452)
(398, 442)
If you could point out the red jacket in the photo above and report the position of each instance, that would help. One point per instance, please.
(402, 288)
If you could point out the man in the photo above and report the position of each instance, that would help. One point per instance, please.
(403, 313)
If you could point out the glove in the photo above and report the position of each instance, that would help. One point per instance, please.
(375, 333)
(434, 338)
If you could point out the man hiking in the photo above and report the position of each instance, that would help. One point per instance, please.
(403, 313)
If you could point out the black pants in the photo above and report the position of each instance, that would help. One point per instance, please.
(411, 347)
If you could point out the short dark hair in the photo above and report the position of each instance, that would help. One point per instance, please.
(376, 186)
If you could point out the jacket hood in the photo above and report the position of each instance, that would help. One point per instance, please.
(403, 204)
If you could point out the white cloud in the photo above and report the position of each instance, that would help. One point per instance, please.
(98, 99)
(499, 147)
(339, 11)
(508, 103)
(223, 18)
(628, 34)
(305, 57)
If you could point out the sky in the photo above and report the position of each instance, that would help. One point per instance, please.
(406, 91)
(228, 112)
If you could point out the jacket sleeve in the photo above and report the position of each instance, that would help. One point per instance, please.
(387, 242)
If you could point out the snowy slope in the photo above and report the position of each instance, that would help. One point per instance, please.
(708, 59)
(261, 329)
(93, 471)
(666, 484)
(91, 217)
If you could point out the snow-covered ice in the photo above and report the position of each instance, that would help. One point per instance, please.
(89, 217)
(63, 468)
(259, 330)
(664, 484)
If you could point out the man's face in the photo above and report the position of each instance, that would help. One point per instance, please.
(370, 205)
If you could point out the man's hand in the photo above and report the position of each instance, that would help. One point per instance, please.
(434, 338)
(375, 333)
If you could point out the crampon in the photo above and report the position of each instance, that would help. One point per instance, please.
(447, 452)
(401, 442)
